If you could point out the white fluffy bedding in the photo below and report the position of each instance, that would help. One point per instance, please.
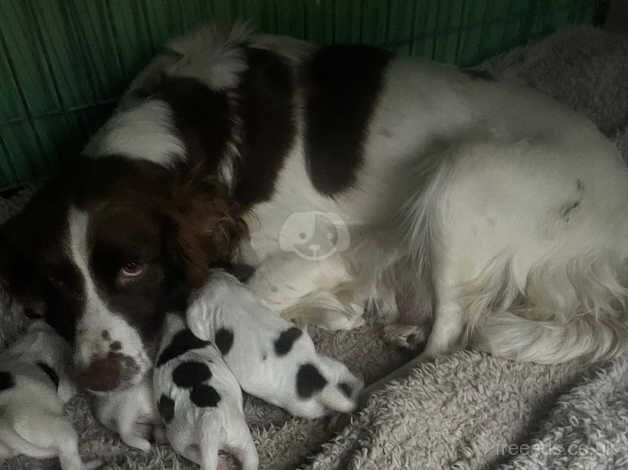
(467, 410)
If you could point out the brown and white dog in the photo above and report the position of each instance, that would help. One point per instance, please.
(350, 179)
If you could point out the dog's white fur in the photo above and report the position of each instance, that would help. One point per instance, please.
(129, 413)
(145, 131)
(225, 303)
(32, 422)
(98, 316)
(504, 208)
(199, 433)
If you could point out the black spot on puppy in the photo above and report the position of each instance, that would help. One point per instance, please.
(50, 372)
(165, 406)
(286, 339)
(346, 389)
(204, 396)
(224, 340)
(6, 380)
(189, 374)
(182, 342)
(309, 381)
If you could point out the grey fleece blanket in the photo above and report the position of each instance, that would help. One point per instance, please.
(467, 410)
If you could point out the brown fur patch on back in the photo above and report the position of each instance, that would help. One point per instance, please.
(208, 227)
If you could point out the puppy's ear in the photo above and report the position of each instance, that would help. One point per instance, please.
(206, 229)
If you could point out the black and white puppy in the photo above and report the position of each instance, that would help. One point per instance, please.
(270, 357)
(199, 399)
(34, 385)
(129, 413)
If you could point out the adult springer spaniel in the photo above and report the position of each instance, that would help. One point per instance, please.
(350, 179)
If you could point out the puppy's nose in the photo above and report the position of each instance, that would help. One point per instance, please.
(101, 375)
(314, 247)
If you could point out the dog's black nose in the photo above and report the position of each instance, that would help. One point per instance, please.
(100, 375)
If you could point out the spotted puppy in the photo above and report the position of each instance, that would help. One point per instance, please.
(199, 399)
(270, 357)
(34, 385)
(130, 413)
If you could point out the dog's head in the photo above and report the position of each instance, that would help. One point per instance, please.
(103, 251)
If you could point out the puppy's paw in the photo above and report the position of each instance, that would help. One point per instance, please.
(137, 441)
(66, 390)
(325, 385)
(198, 319)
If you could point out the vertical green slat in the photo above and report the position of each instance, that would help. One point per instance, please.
(24, 148)
(65, 58)
(192, 14)
(290, 17)
(25, 156)
(24, 52)
(11, 106)
(161, 18)
(133, 40)
(375, 22)
(424, 24)
(319, 21)
(7, 171)
(400, 26)
(224, 11)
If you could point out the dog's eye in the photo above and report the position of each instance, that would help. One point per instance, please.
(131, 271)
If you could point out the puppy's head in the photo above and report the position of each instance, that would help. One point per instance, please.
(104, 251)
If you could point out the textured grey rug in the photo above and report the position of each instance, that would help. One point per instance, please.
(467, 410)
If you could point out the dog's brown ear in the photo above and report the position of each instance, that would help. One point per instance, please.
(207, 228)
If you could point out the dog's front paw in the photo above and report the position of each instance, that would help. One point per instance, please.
(409, 337)
(322, 386)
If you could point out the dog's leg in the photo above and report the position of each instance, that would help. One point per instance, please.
(446, 330)
(448, 323)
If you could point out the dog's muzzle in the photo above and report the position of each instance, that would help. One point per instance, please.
(107, 373)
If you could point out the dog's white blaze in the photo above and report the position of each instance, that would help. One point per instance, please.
(145, 132)
(97, 317)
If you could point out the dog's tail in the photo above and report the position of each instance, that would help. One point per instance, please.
(548, 342)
